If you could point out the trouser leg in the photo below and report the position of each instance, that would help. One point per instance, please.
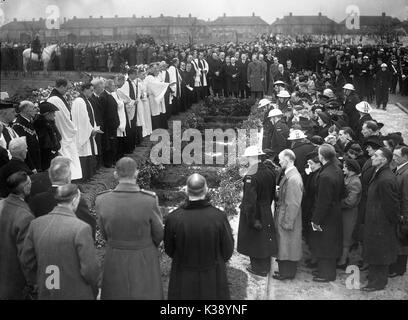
(287, 268)
(327, 268)
(378, 276)
(399, 266)
(261, 265)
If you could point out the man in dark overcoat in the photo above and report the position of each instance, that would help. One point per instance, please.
(198, 237)
(326, 240)
(44, 202)
(380, 241)
(350, 101)
(400, 156)
(383, 83)
(256, 231)
(15, 217)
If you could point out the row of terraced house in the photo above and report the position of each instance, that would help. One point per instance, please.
(191, 29)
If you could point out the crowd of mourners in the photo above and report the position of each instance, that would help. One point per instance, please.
(335, 180)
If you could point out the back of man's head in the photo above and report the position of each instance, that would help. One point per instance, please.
(327, 151)
(126, 168)
(196, 186)
(16, 182)
(60, 171)
(18, 147)
(66, 193)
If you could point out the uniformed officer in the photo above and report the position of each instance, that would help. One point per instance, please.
(256, 231)
(130, 221)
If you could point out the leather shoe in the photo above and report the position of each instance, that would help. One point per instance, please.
(259, 274)
(320, 279)
(370, 289)
(281, 277)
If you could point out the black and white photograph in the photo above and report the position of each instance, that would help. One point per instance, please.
(216, 152)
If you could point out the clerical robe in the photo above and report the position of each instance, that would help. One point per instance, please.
(68, 132)
(156, 89)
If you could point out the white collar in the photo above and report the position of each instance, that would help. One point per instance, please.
(400, 166)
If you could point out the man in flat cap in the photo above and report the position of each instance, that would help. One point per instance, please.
(59, 256)
(198, 271)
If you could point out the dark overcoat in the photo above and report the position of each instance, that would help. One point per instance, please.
(199, 239)
(301, 150)
(327, 212)
(402, 180)
(15, 218)
(259, 192)
(380, 241)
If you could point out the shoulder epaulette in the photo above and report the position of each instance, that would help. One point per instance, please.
(105, 191)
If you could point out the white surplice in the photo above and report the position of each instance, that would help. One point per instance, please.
(143, 109)
(83, 138)
(130, 104)
(68, 132)
(156, 90)
(121, 130)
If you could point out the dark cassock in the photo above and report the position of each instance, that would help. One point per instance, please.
(111, 124)
(243, 78)
(198, 237)
(24, 127)
(351, 111)
(83, 116)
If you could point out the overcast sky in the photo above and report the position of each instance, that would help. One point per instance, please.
(269, 10)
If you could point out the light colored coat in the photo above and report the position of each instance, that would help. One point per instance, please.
(60, 239)
(288, 216)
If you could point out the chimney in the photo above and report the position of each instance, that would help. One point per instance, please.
(90, 17)
(161, 15)
(101, 17)
(320, 14)
(15, 19)
(74, 17)
(253, 14)
(65, 19)
(189, 15)
(133, 16)
(150, 17)
(383, 14)
(224, 15)
(290, 14)
(116, 15)
(33, 19)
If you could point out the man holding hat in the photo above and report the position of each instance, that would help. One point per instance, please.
(256, 231)
(198, 271)
(7, 116)
(383, 82)
(48, 134)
